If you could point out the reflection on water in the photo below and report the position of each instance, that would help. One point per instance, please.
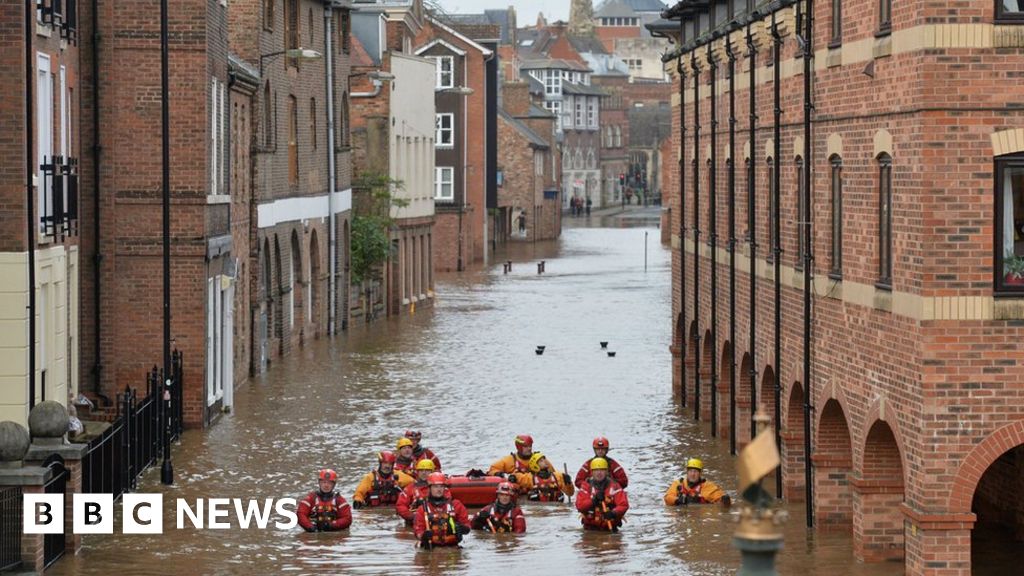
(466, 375)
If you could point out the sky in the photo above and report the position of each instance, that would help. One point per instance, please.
(526, 10)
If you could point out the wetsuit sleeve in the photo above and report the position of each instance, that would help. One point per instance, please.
(502, 465)
(619, 474)
(419, 523)
(402, 507)
(672, 494)
(583, 499)
(404, 480)
(518, 521)
(621, 502)
(302, 511)
(566, 488)
(364, 488)
(524, 483)
(343, 519)
(480, 518)
(711, 492)
(461, 514)
(583, 474)
(434, 459)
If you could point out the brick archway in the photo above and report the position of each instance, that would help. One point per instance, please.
(978, 462)
(878, 492)
(766, 393)
(691, 363)
(793, 455)
(833, 463)
(724, 376)
(743, 396)
(678, 342)
(706, 372)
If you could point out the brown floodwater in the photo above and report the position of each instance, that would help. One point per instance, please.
(466, 375)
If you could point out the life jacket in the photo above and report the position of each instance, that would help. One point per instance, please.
(596, 519)
(385, 489)
(500, 522)
(440, 521)
(522, 466)
(546, 489)
(691, 494)
(323, 511)
(402, 465)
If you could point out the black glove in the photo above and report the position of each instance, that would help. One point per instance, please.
(611, 514)
(512, 478)
(462, 529)
(458, 538)
(566, 479)
(357, 504)
(427, 535)
(311, 529)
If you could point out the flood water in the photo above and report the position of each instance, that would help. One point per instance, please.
(466, 375)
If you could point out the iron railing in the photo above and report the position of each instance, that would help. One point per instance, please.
(10, 527)
(53, 544)
(59, 213)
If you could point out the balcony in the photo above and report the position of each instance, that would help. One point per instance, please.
(58, 216)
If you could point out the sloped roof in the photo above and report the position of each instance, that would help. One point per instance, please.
(585, 44)
(498, 18)
(540, 112)
(637, 5)
(532, 137)
(582, 89)
(557, 63)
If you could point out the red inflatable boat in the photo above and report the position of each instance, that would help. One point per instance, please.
(474, 491)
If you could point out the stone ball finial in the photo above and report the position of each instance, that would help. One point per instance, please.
(48, 420)
(14, 442)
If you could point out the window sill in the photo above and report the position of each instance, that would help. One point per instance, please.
(884, 285)
(836, 276)
(883, 45)
(1004, 293)
(834, 57)
(218, 199)
(1013, 20)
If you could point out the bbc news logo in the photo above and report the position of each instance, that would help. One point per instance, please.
(144, 514)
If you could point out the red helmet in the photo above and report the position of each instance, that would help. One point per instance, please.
(436, 478)
(328, 474)
(386, 456)
(600, 442)
(524, 440)
(506, 488)
(413, 435)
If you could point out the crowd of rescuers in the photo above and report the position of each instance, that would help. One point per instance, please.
(410, 480)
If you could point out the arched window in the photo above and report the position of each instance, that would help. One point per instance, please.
(291, 27)
(312, 122)
(885, 220)
(309, 24)
(771, 244)
(884, 16)
(618, 136)
(836, 189)
(268, 14)
(293, 141)
(268, 116)
(294, 279)
(801, 200)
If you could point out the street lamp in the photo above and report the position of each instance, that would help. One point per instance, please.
(465, 92)
(299, 53)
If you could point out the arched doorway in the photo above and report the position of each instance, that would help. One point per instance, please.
(766, 394)
(743, 396)
(343, 285)
(678, 341)
(833, 463)
(793, 455)
(998, 535)
(707, 370)
(278, 297)
(315, 280)
(877, 495)
(691, 363)
(261, 347)
(724, 396)
(296, 294)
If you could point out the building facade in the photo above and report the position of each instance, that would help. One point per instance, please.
(908, 236)
(40, 252)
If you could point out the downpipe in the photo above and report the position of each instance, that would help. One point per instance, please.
(713, 193)
(752, 225)
(777, 241)
(808, 260)
(30, 224)
(696, 233)
(732, 243)
(681, 70)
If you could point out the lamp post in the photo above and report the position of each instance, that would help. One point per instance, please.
(167, 468)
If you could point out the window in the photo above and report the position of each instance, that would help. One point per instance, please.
(801, 247)
(836, 265)
(309, 25)
(344, 31)
(618, 136)
(343, 121)
(1010, 10)
(268, 14)
(445, 135)
(538, 163)
(293, 141)
(217, 96)
(772, 246)
(578, 118)
(268, 116)
(1009, 228)
(312, 121)
(291, 28)
(885, 220)
(884, 17)
(444, 183)
(592, 113)
(836, 36)
(444, 72)
(555, 107)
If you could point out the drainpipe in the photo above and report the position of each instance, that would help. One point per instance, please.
(696, 230)
(732, 242)
(30, 224)
(808, 261)
(681, 70)
(713, 192)
(777, 243)
(332, 232)
(97, 257)
(752, 224)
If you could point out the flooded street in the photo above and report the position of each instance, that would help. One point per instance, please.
(466, 375)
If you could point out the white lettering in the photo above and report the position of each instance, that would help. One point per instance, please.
(185, 510)
(293, 518)
(218, 509)
(253, 510)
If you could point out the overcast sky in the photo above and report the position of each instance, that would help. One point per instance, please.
(526, 10)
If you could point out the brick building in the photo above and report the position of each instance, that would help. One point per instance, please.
(528, 198)
(393, 134)
(460, 145)
(44, 184)
(912, 386)
(621, 27)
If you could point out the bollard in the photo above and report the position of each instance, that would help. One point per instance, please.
(509, 265)
(543, 266)
(504, 268)
(540, 268)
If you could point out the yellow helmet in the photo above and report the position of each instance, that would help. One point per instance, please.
(598, 464)
(403, 442)
(695, 463)
(535, 462)
(425, 464)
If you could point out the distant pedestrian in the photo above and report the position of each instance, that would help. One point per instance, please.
(589, 202)
(522, 222)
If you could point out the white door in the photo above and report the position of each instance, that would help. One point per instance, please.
(229, 346)
(211, 322)
(44, 132)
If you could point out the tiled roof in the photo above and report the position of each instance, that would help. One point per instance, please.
(535, 140)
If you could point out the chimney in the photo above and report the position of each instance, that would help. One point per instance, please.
(516, 98)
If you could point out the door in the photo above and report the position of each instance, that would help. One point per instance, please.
(44, 133)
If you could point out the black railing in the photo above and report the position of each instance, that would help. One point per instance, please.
(134, 442)
(53, 544)
(61, 15)
(59, 213)
(10, 528)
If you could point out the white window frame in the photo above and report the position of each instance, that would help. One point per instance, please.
(578, 116)
(445, 136)
(214, 137)
(592, 113)
(44, 136)
(440, 181)
(440, 73)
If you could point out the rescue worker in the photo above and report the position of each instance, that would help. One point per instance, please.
(515, 463)
(419, 452)
(601, 500)
(544, 483)
(601, 447)
(503, 515)
(694, 489)
(441, 520)
(414, 494)
(324, 510)
(382, 486)
(405, 462)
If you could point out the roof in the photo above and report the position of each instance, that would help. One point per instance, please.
(556, 63)
(532, 137)
(636, 5)
(498, 18)
(582, 90)
(540, 112)
(585, 44)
